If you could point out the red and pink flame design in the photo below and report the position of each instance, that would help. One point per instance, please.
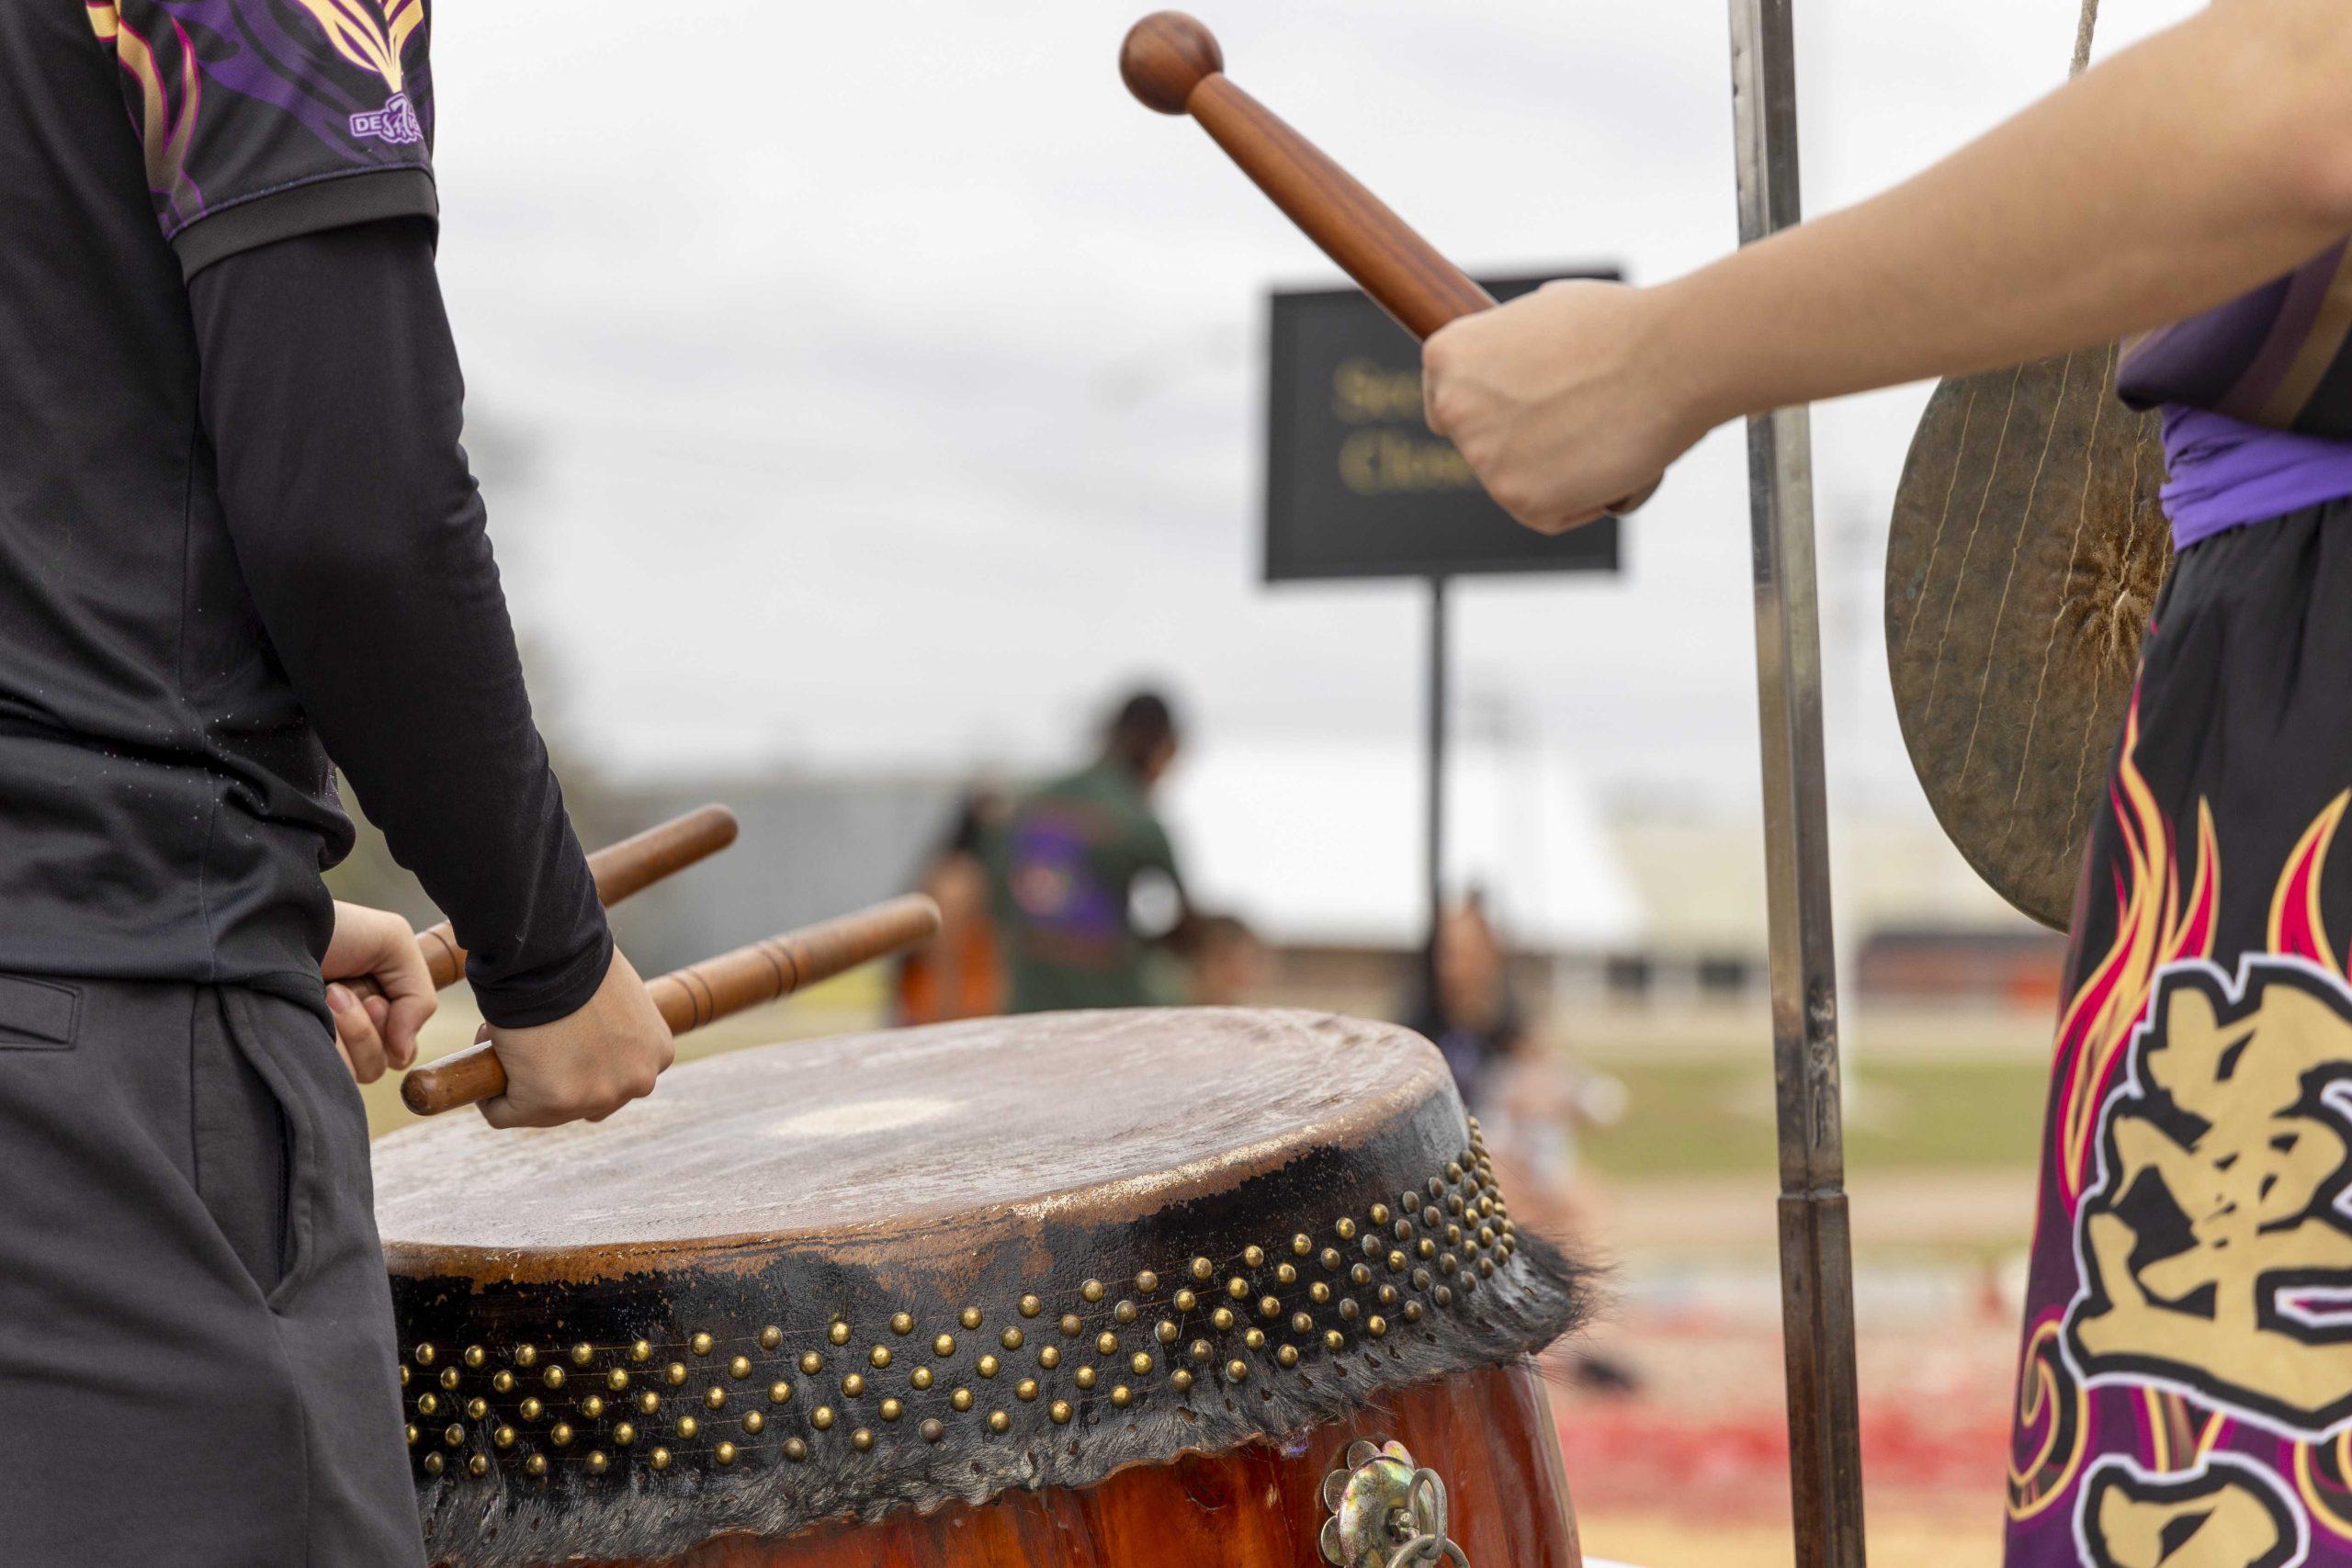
(2155, 924)
(2297, 927)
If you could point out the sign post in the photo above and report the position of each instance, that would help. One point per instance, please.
(1357, 487)
(1438, 716)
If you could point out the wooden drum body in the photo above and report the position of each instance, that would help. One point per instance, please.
(1087, 1290)
(1488, 1435)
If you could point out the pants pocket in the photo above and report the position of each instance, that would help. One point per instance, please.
(327, 1208)
(245, 1144)
(37, 1015)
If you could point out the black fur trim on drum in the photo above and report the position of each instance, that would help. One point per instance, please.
(505, 1521)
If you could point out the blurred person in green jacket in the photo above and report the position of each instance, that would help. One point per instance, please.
(1086, 879)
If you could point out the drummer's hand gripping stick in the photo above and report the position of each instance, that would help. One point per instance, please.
(706, 992)
(1172, 63)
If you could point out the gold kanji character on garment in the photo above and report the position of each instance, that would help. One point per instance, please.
(2214, 1253)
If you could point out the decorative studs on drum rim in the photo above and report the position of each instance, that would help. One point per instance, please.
(1260, 1314)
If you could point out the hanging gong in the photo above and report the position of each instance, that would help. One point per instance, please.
(2024, 556)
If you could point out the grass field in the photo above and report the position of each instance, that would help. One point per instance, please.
(1943, 1126)
(1714, 1117)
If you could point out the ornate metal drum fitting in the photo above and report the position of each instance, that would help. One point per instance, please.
(1387, 1512)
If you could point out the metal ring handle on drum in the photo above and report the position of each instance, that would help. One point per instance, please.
(1426, 1494)
(1385, 1511)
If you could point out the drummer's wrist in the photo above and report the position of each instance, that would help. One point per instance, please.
(552, 991)
(1704, 376)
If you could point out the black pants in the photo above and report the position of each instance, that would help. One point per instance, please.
(197, 1364)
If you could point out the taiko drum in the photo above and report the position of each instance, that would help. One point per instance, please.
(1073, 1290)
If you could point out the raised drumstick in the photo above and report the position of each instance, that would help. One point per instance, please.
(621, 869)
(1172, 63)
(710, 990)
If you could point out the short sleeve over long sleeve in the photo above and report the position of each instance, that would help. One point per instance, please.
(263, 119)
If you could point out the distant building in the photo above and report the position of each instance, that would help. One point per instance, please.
(1318, 844)
(812, 846)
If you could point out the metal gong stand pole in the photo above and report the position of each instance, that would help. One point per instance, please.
(1817, 1251)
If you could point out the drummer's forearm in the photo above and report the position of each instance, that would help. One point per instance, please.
(334, 400)
(2208, 159)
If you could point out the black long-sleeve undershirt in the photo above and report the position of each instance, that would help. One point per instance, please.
(332, 397)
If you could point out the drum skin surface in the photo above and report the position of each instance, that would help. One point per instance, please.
(2027, 548)
(1488, 1434)
(958, 1133)
(854, 1284)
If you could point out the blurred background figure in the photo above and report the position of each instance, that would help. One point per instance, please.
(1086, 882)
(961, 973)
(1466, 1006)
(1532, 1101)
(1228, 964)
(1529, 1100)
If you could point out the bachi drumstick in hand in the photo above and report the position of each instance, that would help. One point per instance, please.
(706, 992)
(629, 866)
(1173, 64)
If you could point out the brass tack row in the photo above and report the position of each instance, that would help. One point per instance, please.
(1476, 1224)
(1049, 1357)
(1489, 1205)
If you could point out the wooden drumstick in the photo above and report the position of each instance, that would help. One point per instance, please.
(706, 992)
(1173, 62)
(629, 866)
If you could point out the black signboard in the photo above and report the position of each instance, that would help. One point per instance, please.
(1356, 486)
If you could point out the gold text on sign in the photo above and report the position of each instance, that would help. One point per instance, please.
(1391, 462)
(1366, 393)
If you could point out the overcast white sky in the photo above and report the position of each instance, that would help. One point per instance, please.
(880, 384)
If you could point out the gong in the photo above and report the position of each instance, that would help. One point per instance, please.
(2023, 563)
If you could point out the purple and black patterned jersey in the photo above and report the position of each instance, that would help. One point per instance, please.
(2279, 357)
(2258, 399)
(237, 533)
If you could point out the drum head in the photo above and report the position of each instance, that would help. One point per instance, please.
(2027, 549)
(963, 1131)
(837, 1276)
